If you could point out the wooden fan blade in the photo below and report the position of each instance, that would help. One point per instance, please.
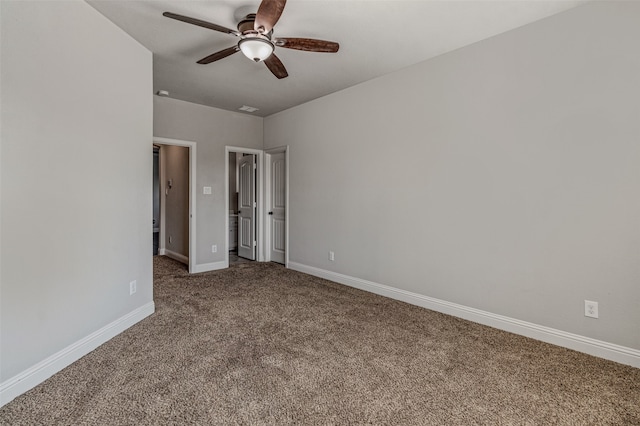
(219, 55)
(275, 66)
(308, 44)
(200, 23)
(268, 14)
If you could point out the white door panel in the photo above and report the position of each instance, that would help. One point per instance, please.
(277, 206)
(247, 207)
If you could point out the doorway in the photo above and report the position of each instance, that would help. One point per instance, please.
(156, 199)
(177, 171)
(244, 203)
(247, 206)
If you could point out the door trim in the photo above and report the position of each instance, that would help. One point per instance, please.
(192, 194)
(259, 197)
(267, 194)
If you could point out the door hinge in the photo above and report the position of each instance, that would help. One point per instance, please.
(255, 204)
(255, 243)
(255, 166)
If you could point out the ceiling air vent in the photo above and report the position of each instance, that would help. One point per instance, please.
(247, 108)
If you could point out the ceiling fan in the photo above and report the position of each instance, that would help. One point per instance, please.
(256, 37)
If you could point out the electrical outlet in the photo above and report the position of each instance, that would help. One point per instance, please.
(214, 248)
(332, 256)
(132, 287)
(590, 309)
(170, 239)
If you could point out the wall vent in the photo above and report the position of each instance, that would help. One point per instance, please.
(247, 108)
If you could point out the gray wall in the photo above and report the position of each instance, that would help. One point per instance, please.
(175, 160)
(212, 129)
(76, 181)
(503, 176)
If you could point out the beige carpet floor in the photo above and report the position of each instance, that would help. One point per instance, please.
(258, 344)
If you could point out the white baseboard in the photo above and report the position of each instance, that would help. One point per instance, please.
(33, 376)
(599, 348)
(203, 267)
(175, 256)
(206, 267)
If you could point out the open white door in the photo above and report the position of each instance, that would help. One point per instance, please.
(277, 207)
(247, 207)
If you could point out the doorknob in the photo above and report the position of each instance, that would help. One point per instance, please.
(270, 212)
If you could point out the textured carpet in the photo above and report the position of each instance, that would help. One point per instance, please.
(259, 344)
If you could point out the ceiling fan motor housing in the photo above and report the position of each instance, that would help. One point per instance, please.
(247, 26)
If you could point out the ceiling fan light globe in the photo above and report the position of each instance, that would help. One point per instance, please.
(256, 49)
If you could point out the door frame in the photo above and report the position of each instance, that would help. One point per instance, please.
(260, 211)
(192, 195)
(267, 192)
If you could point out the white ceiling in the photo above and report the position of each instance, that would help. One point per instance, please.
(376, 37)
